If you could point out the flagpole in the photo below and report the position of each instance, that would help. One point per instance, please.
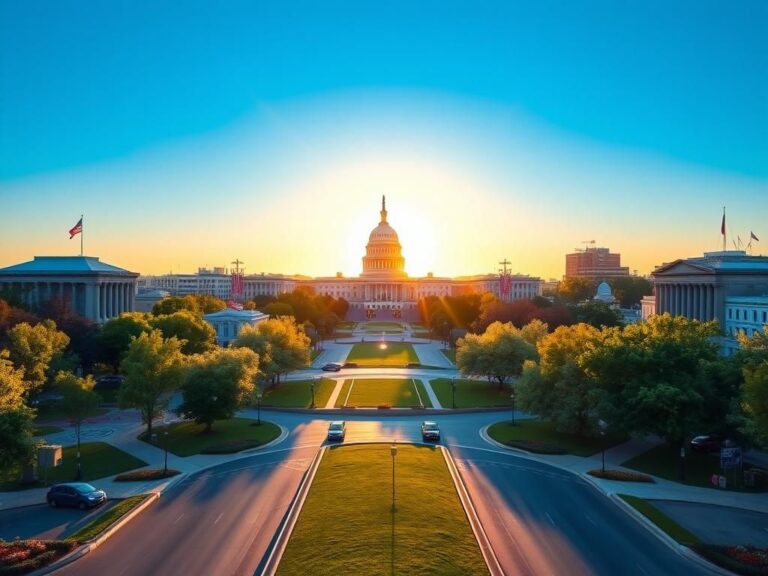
(81, 234)
(724, 229)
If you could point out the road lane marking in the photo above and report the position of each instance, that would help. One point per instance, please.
(352, 385)
(550, 518)
(640, 568)
(219, 518)
(179, 518)
(588, 517)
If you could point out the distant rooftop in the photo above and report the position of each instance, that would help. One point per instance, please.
(63, 264)
(736, 261)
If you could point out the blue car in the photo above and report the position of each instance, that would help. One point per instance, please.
(75, 494)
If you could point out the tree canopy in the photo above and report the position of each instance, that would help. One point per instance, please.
(216, 384)
(197, 304)
(116, 335)
(33, 348)
(497, 354)
(281, 344)
(16, 419)
(153, 367)
(197, 334)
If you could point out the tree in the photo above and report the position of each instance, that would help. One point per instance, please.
(78, 402)
(280, 343)
(153, 368)
(629, 290)
(534, 331)
(33, 348)
(558, 387)
(217, 384)
(116, 335)
(16, 419)
(198, 304)
(576, 289)
(278, 310)
(10, 316)
(753, 357)
(497, 354)
(650, 376)
(597, 314)
(197, 334)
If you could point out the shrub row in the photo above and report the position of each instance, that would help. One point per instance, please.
(151, 474)
(23, 556)
(621, 475)
(746, 560)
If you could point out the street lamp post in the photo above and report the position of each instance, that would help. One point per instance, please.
(453, 392)
(258, 407)
(603, 426)
(165, 445)
(312, 389)
(393, 451)
(512, 397)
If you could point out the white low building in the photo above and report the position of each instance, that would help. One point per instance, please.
(228, 322)
(744, 315)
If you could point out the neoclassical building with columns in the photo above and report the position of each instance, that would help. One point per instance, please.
(382, 290)
(93, 289)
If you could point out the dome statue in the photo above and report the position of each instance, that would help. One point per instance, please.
(383, 253)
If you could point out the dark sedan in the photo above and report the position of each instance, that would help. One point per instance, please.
(332, 367)
(77, 494)
(707, 443)
(430, 431)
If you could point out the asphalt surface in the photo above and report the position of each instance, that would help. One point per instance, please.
(718, 524)
(539, 519)
(45, 522)
(219, 521)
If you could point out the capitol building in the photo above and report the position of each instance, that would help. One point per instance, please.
(383, 289)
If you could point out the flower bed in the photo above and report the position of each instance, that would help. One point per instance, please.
(747, 560)
(23, 556)
(621, 475)
(154, 474)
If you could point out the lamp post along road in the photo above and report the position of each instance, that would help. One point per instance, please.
(258, 407)
(393, 451)
(165, 445)
(312, 389)
(453, 392)
(512, 397)
(603, 426)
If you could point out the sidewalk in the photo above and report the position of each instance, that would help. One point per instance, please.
(660, 490)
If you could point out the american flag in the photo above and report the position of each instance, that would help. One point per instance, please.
(76, 229)
(237, 284)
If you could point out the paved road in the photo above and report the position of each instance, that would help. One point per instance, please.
(220, 521)
(540, 520)
(44, 522)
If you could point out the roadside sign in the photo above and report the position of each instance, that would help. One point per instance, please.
(730, 457)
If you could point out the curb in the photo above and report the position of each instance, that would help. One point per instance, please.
(99, 540)
(386, 412)
(491, 561)
(292, 516)
(681, 549)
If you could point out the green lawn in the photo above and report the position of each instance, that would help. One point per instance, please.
(540, 436)
(450, 354)
(373, 326)
(394, 392)
(672, 528)
(228, 436)
(98, 460)
(45, 430)
(52, 413)
(108, 396)
(470, 393)
(297, 394)
(348, 526)
(664, 461)
(372, 354)
(104, 521)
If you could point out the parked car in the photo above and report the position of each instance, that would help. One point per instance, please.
(707, 443)
(46, 398)
(430, 431)
(332, 367)
(337, 430)
(77, 494)
(112, 382)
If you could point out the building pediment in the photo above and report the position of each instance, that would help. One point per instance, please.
(681, 267)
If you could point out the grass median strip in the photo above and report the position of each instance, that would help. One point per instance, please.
(391, 392)
(470, 393)
(373, 354)
(360, 533)
(540, 436)
(104, 521)
(298, 394)
(227, 436)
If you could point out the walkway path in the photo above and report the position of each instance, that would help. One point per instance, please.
(431, 393)
(335, 394)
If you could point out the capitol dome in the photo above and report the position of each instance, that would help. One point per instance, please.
(604, 293)
(383, 253)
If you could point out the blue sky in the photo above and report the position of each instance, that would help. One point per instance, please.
(132, 97)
